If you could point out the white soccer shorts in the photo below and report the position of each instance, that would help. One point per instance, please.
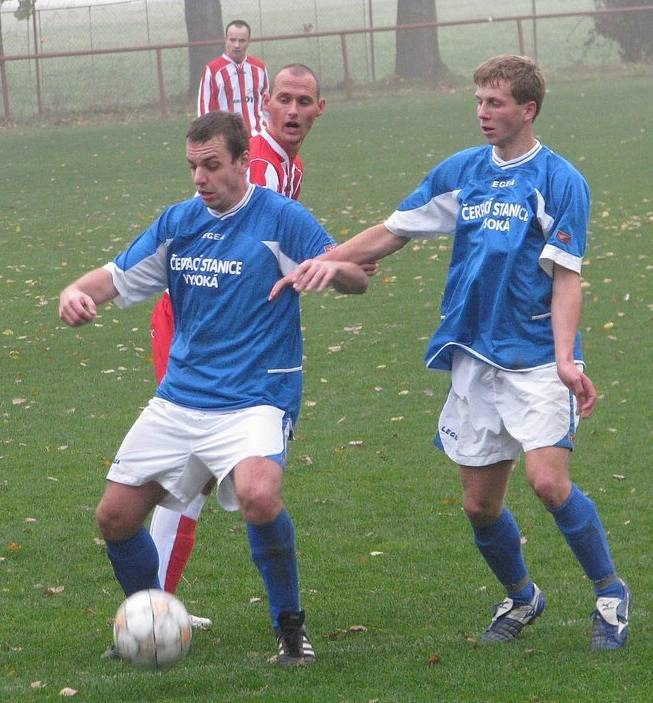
(181, 448)
(492, 415)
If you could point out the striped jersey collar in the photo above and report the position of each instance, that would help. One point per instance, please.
(530, 154)
(237, 207)
(275, 145)
(235, 63)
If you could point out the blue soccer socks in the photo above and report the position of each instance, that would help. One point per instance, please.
(500, 545)
(135, 562)
(581, 526)
(273, 551)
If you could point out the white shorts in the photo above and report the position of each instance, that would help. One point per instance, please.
(181, 448)
(492, 415)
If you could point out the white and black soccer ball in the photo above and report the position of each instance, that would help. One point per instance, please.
(152, 629)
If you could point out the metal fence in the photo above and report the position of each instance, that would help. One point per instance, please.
(78, 55)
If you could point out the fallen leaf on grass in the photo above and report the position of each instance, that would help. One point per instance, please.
(433, 660)
(38, 684)
(68, 692)
(355, 629)
(351, 630)
(53, 590)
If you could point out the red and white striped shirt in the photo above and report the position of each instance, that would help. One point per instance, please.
(271, 166)
(235, 87)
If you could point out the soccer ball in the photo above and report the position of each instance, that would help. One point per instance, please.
(152, 629)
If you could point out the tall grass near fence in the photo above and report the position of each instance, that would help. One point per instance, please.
(394, 589)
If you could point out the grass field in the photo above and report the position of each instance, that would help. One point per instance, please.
(382, 540)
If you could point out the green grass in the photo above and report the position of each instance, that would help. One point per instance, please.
(72, 196)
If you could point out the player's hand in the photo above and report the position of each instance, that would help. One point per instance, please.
(370, 269)
(75, 307)
(580, 385)
(311, 275)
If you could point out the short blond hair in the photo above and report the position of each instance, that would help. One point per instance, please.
(521, 73)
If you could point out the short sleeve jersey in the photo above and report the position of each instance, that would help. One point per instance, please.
(511, 221)
(231, 348)
(235, 87)
(270, 166)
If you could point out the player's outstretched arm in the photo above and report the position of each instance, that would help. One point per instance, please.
(566, 301)
(78, 301)
(367, 246)
(317, 275)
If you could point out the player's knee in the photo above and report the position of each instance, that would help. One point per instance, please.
(551, 491)
(480, 511)
(259, 505)
(113, 523)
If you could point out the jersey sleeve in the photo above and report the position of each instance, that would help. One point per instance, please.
(141, 270)
(265, 89)
(564, 221)
(205, 97)
(430, 210)
(263, 173)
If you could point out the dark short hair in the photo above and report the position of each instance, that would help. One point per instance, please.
(297, 69)
(238, 23)
(228, 125)
(520, 72)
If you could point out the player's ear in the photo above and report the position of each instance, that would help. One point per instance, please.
(530, 110)
(244, 160)
(266, 100)
(321, 104)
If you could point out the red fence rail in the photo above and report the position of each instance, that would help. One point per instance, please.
(343, 34)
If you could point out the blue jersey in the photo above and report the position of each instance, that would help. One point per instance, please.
(231, 348)
(511, 221)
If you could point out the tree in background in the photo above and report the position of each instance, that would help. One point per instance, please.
(22, 12)
(203, 21)
(418, 50)
(633, 31)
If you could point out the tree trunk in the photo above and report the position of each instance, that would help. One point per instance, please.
(203, 21)
(418, 51)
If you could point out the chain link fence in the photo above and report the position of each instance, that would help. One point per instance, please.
(112, 81)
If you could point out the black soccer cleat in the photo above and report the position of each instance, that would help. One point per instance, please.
(294, 647)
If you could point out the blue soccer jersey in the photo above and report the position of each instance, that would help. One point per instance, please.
(511, 221)
(231, 348)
